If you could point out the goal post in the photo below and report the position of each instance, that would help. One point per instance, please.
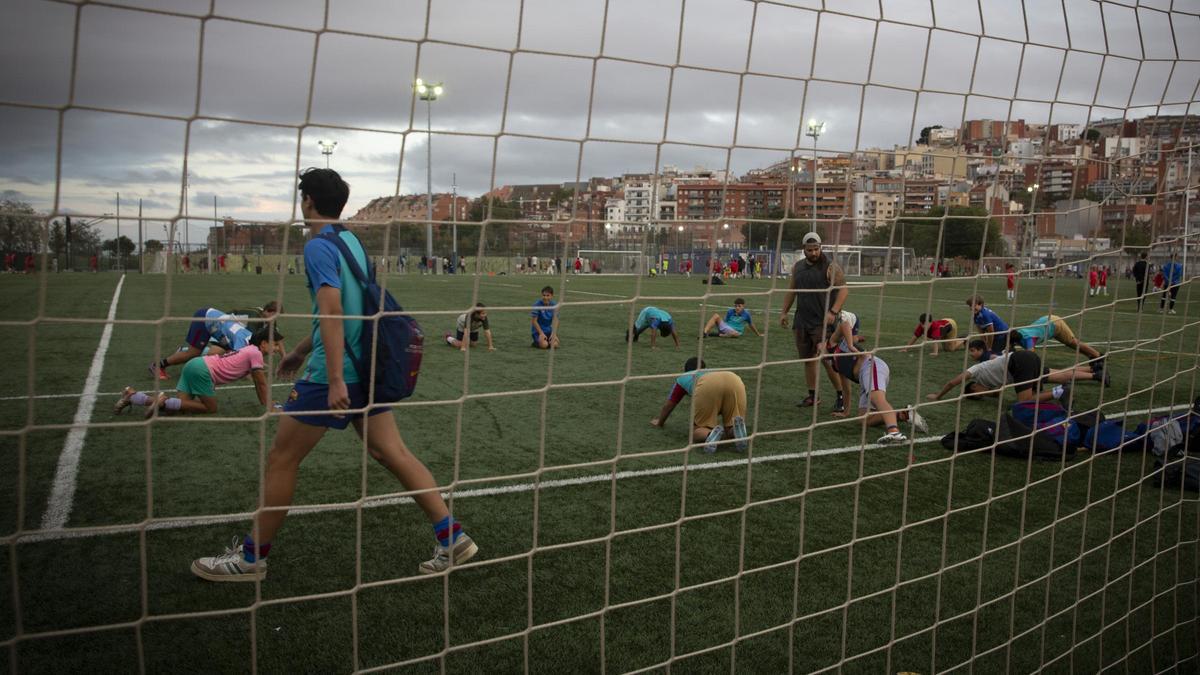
(598, 261)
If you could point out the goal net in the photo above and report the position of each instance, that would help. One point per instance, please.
(654, 474)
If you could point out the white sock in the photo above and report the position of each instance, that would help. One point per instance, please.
(1057, 391)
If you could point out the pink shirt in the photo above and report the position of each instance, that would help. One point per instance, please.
(233, 366)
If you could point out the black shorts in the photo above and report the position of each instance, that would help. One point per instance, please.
(1024, 369)
(458, 335)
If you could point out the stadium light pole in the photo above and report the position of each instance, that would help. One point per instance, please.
(1031, 227)
(428, 92)
(118, 239)
(815, 129)
(327, 150)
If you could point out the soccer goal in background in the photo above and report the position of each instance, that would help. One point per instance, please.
(597, 261)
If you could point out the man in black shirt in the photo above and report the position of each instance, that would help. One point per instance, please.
(1141, 271)
(819, 290)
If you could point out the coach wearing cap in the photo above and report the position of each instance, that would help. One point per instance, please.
(819, 290)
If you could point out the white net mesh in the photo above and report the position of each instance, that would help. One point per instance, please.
(949, 150)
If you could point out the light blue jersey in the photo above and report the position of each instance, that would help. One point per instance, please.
(651, 317)
(738, 321)
(226, 330)
(1041, 330)
(323, 266)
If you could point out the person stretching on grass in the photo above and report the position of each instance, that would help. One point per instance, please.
(716, 392)
(873, 376)
(657, 321)
(214, 330)
(993, 371)
(939, 331)
(331, 395)
(543, 321)
(737, 320)
(843, 339)
(989, 323)
(477, 319)
(200, 377)
(1048, 327)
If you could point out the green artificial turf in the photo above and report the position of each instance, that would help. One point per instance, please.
(605, 543)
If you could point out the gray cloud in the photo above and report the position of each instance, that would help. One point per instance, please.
(151, 63)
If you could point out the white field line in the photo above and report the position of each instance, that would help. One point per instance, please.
(371, 503)
(230, 387)
(62, 494)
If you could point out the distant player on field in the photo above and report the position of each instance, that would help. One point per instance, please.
(466, 330)
(939, 331)
(737, 320)
(543, 321)
(873, 376)
(715, 393)
(657, 321)
(991, 327)
(1172, 274)
(1010, 280)
(217, 331)
(199, 379)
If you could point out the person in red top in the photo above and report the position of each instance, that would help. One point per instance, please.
(1093, 281)
(578, 265)
(10, 262)
(187, 263)
(1011, 280)
(687, 267)
(733, 268)
(28, 263)
(221, 262)
(940, 331)
(1104, 280)
(1159, 280)
(94, 263)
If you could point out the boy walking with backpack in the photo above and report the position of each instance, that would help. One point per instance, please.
(332, 394)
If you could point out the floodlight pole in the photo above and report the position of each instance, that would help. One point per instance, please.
(454, 215)
(428, 92)
(327, 150)
(1031, 228)
(118, 239)
(815, 129)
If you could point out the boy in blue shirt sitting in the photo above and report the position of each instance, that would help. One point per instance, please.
(737, 320)
(543, 321)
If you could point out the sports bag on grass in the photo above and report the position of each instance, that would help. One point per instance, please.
(397, 339)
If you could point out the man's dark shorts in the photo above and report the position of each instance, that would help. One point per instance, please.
(307, 396)
(1025, 369)
(458, 335)
(809, 341)
(198, 335)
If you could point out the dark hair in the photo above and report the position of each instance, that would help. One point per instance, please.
(271, 306)
(693, 363)
(977, 344)
(975, 300)
(548, 289)
(1144, 255)
(329, 193)
(264, 334)
(924, 318)
(739, 301)
(475, 312)
(664, 329)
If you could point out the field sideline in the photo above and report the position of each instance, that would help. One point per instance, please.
(621, 541)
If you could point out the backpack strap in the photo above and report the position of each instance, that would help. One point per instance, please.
(334, 237)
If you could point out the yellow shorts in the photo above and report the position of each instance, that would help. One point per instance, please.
(1063, 332)
(718, 393)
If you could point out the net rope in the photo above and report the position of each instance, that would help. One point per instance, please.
(1177, 375)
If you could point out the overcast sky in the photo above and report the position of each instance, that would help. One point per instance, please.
(536, 91)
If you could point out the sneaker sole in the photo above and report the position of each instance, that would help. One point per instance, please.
(235, 578)
(740, 440)
(458, 559)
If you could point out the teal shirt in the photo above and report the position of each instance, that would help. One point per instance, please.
(1041, 330)
(650, 318)
(323, 267)
(687, 381)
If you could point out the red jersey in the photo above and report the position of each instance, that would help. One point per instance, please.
(1012, 281)
(1093, 278)
(733, 267)
(937, 328)
(28, 263)
(1104, 277)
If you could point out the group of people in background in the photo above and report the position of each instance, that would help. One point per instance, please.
(1166, 279)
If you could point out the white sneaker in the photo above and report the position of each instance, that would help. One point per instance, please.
(918, 421)
(1170, 311)
(892, 437)
(710, 443)
(230, 566)
(463, 550)
(739, 434)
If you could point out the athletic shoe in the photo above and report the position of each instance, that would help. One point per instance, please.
(463, 550)
(1098, 363)
(1065, 396)
(892, 437)
(1170, 311)
(157, 405)
(124, 403)
(710, 443)
(158, 371)
(808, 402)
(739, 434)
(918, 421)
(230, 566)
